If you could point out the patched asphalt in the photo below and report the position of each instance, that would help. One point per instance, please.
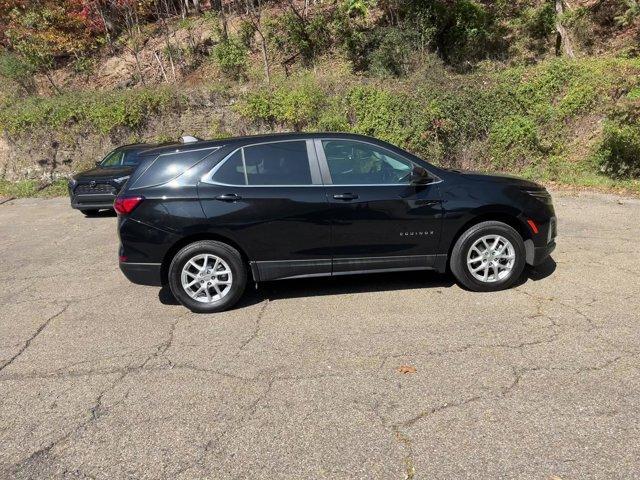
(103, 379)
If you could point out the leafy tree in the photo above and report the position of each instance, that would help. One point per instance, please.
(231, 56)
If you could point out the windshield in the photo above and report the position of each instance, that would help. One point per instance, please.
(119, 158)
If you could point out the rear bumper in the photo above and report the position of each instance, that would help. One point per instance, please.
(143, 273)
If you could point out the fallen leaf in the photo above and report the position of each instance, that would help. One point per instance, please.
(407, 369)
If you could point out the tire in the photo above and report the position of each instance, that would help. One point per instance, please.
(208, 253)
(505, 271)
(92, 212)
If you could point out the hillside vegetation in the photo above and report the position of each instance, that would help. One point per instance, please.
(549, 90)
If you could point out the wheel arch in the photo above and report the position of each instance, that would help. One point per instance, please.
(183, 242)
(510, 218)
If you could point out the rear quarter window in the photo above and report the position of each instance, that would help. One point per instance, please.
(169, 166)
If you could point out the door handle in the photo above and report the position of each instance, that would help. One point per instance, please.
(229, 197)
(345, 196)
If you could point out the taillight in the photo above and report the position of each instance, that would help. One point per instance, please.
(125, 205)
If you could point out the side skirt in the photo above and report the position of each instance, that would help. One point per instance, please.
(287, 269)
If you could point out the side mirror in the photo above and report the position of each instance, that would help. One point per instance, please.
(419, 176)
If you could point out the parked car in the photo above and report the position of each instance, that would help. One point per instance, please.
(97, 188)
(208, 217)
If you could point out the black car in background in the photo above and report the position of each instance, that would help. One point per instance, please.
(97, 188)
(207, 217)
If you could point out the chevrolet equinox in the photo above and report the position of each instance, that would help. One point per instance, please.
(207, 216)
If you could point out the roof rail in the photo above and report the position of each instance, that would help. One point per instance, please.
(189, 139)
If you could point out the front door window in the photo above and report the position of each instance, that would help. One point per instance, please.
(359, 163)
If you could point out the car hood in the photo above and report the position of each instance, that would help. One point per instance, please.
(501, 179)
(104, 173)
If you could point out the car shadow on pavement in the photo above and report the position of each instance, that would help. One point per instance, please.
(542, 271)
(340, 285)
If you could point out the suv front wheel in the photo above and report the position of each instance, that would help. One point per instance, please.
(207, 276)
(489, 256)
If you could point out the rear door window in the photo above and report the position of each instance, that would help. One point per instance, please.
(277, 163)
(231, 172)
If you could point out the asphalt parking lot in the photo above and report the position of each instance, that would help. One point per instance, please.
(103, 379)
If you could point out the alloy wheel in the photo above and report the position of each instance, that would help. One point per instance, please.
(206, 278)
(491, 258)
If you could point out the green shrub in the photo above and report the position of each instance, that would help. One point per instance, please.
(246, 33)
(394, 52)
(298, 37)
(231, 57)
(299, 106)
(295, 106)
(540, 21)
(16, 69)
(578, 99)
(101, 112)
(514, 141)
(619, 152)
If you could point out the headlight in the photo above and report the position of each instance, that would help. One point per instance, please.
(541, 195)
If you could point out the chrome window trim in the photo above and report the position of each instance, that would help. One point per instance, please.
(327, 175)
(317, 153)
(311, 159)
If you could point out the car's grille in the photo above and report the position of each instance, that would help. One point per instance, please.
(98, 188)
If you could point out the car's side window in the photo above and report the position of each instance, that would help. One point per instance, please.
(113, 159)
(282, 163)
(358, 163)
(277, 163)
(130, 158)
(231, 172)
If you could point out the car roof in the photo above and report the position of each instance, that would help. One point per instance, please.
(144, 146)
(250, 139)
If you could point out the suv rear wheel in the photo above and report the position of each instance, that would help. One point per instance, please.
(489, 256)
(207, 276)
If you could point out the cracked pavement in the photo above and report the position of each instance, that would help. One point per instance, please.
(103, 379)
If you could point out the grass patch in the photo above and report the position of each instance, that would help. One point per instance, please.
(32, 188)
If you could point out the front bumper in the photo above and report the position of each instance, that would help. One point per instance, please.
(541, 253)
(83, 198)
(143, 273)
(83, 203)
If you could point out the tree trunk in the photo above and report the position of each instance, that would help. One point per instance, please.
(265, 56)
(51, 82)
(563, 42)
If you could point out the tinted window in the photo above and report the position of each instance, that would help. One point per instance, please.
(130, 158)
(231, 172)
(168, 167)
(281, 163)
(113, 159)
(358, 163)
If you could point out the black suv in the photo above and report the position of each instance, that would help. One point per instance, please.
(98, 187)
(206, 217)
